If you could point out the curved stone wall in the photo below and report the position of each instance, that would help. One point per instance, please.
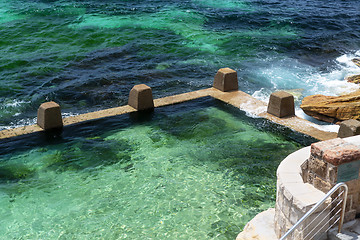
(306, 175)
(294, 197)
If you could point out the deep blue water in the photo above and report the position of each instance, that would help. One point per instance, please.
(87, 55)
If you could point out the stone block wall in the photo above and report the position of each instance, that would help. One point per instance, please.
(335, 161)
(304, 177)
(295, 198)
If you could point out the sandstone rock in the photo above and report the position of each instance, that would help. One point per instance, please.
(332, 109)
(261, 227)
(356, 61)
(353, 79)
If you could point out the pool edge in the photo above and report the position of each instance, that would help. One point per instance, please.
(237, 98)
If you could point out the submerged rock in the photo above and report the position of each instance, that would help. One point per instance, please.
(297, 93)
(332, 109)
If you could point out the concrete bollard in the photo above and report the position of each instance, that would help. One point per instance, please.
(141, 98)
(349, 128)
(281, 104)
(49, 116)
(226, 80)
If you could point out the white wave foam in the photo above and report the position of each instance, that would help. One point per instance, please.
(333, 83)
(30, 121)
(19, 123)
(315, 123)
(262, 94)
(346, 60)
(14, 103)
(290, 74)
(252, 112)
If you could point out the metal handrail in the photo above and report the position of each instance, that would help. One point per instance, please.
(317, 205)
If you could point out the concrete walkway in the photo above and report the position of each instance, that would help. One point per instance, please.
(351, 231)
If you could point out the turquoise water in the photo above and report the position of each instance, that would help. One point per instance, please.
(87, 55)
(185, 174)
(199, 170)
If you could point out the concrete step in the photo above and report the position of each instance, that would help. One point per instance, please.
(351, 231)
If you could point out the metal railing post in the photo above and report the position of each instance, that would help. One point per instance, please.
(341, 222)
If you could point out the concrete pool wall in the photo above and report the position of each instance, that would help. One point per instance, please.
(224, 89)
(295, 195)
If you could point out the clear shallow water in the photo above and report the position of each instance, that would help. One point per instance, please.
(87, 55)
(199, 170)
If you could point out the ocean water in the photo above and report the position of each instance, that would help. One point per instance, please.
(87, 55)
(190, 174)
(198, 170)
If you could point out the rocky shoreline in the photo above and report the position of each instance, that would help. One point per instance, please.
(335, 109)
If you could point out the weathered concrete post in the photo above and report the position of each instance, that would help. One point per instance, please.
(349, 128)
(141, 98)
(49, 116)
(281, 104)
(226, 80)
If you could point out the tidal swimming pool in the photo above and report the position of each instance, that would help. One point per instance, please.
(196, 170)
